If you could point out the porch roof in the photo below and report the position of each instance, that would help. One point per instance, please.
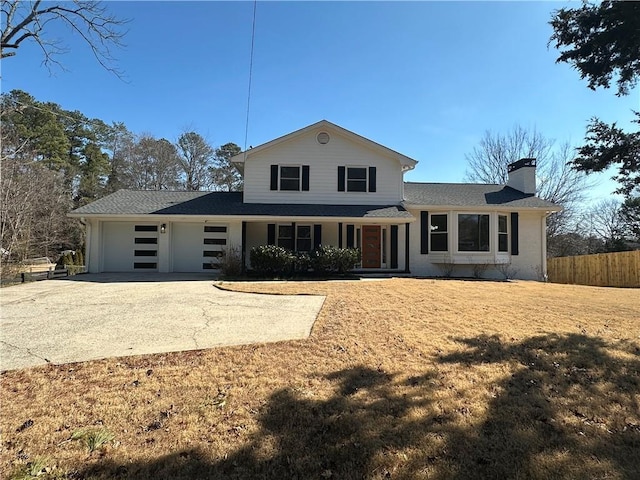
(132, 202)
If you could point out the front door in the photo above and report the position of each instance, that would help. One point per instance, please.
(371, 246)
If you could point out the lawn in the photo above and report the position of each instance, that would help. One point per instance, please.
(401, 378)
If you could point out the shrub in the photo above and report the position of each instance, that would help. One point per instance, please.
(231, 262)
(271, 260)
(329, 259)
(301, 262)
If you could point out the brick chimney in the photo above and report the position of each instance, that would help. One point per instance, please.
(522, 175)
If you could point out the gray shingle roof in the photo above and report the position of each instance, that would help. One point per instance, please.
(129, 202)
(470, 195)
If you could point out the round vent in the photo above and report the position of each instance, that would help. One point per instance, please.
(323, 138)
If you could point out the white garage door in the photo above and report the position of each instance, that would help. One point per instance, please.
(130, 247)
(197, 247)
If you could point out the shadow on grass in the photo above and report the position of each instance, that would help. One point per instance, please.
(568, 410)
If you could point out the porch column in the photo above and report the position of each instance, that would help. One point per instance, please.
(406, 248)
(243, 250)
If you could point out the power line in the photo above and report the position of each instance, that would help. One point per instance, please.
(88, 121)
(253, 36)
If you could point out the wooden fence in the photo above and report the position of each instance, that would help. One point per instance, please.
(619, 269)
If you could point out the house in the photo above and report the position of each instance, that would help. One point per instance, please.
(326, 185)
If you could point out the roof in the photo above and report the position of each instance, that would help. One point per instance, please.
(471, 195)
(135, 202)
(410, 163)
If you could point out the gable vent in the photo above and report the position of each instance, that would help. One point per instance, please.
(323, 138)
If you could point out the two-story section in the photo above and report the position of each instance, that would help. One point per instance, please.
(325, 185)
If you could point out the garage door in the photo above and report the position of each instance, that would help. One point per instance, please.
(198, 247)
(130, 247)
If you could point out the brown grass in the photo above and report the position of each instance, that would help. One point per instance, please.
(401, 378)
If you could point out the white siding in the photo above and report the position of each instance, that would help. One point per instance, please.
(323, 161)
(527, 265)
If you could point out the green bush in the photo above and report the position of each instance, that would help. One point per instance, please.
(301, 262)
(329, 259)
(271, 260)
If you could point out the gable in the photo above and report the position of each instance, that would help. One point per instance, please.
(318, 158)
(326, 127)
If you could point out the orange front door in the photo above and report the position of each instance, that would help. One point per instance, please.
(371, 246)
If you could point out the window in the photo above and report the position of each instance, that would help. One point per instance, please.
(146, 228)
(290, 178)
(285, 236)
(356, 179)
(147, 265)
(473, 233)
(146, 240)
(438, 233)
(145, 253)
(215, 241)
(214, 229)
(503, 234)
(303, 238)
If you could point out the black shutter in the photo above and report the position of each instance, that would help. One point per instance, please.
(294, 247)
(514, 233)
(341, 178)
(244, 246)
(425, 231)
(271, 234)
(372, 179)
(394, 246)
(274, 177)
(317, 236)
(305, 178)
(406, 247)
(339, 235)
(350, 234)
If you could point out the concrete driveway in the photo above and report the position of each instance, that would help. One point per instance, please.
(95, 316)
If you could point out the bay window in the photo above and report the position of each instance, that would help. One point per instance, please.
(473, 232)
(503, 233)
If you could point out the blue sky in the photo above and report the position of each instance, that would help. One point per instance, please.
(423, 78)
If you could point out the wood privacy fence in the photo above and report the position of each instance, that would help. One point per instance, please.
(619, 269)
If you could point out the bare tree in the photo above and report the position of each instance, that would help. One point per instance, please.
(151, 164)
(556, 181)
(27, 20)
(605, 221)
(33, 210)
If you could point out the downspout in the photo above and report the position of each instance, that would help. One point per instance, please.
(544, 245)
